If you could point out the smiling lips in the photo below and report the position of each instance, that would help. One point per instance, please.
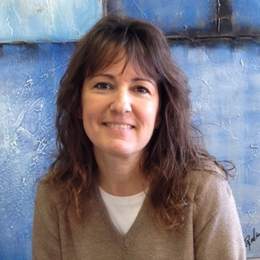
(119, 126)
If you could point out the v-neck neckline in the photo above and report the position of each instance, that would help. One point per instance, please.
(123, 240)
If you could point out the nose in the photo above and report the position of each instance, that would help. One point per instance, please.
(121, 102)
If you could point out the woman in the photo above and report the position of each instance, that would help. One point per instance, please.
(131, 179)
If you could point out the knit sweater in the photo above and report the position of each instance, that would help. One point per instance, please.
(211, 229)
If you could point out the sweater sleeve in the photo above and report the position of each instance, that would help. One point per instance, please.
(217, 229)
(45, 235)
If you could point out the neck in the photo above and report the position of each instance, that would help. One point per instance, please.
(120, 176)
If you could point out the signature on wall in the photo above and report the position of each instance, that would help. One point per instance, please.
(248, 240)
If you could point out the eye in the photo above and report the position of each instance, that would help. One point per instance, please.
(102, 86)
(142, 90)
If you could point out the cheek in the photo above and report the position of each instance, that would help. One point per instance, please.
(87, 116)
(150, 116)
(89, 126)
(92, 112)
(89, 107)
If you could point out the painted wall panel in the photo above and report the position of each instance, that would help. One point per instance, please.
(246, 16)
(28, 84)
(225, 93)
(224, 78)
(197, 19)
(173, 16)
(225, 82)
(47, 20)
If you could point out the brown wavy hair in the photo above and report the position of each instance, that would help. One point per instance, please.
(174, 149)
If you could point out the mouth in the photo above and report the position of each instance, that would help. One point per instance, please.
(119, 126)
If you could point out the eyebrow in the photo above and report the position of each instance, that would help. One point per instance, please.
(112, 77)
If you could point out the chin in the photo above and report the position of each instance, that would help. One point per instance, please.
(123, 152)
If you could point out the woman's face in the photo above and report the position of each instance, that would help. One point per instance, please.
(120, 109)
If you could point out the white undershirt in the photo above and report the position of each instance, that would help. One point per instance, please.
(123, 210)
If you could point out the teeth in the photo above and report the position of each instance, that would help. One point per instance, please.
(119, 126)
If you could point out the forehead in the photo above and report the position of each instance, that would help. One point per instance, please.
(122, 63)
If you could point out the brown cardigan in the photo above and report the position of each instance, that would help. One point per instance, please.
(211, 230)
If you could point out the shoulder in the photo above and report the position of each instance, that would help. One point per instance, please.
(210, 181)
(49, 196)
(210, 197)
(208, 193)
(213, 215)
(55, 199)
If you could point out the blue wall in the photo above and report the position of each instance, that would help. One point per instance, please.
(28, 84)
(208, 41)
(47, 20)
(225, 82)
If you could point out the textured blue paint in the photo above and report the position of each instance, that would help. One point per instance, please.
(246, 14)
(225, 84)
(225, 90)
(28, 84)
(47, 20)
(172, 16)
